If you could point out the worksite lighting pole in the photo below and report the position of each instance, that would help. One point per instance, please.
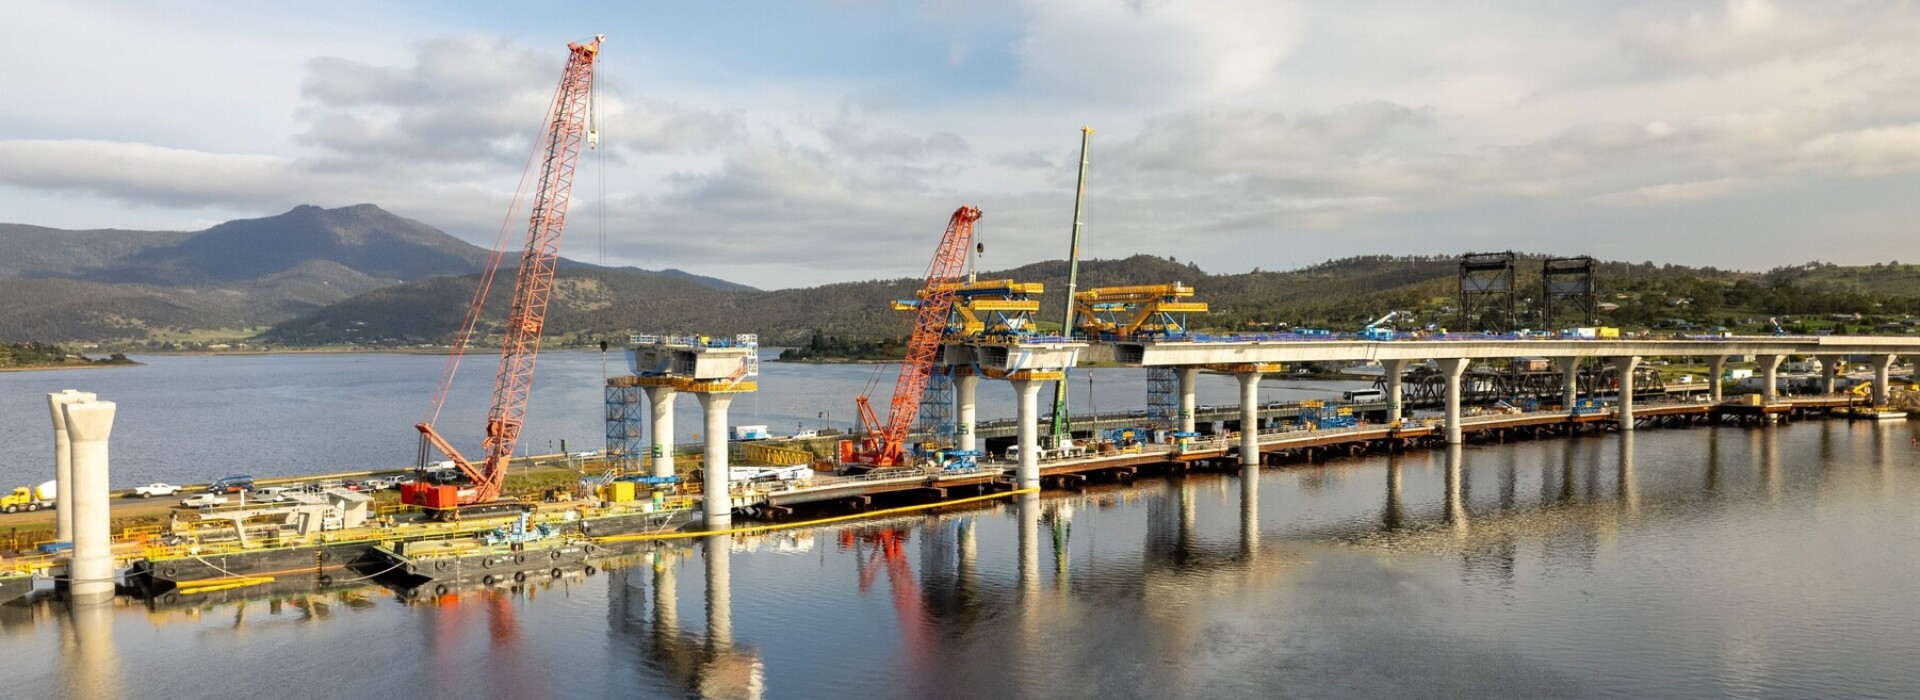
(1062, 427)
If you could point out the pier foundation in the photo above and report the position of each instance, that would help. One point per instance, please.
(1189, 377)
(63, 462)
(1453, 367)
(660, 429)
(718, 498)
(966, 389)
(1249, 417)
(1623, 368)
(1394, 371)
(1716, 373)
(90, 570)
(1882, 374)
(1028, 416)
(1569, 380)
(1770, 376)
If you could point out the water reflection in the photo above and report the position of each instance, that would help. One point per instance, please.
(1187, 587)
(92, 662)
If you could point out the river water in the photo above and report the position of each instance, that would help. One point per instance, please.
(197, 418)
(1692, 563)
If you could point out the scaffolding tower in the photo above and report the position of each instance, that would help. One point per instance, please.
(1569, 294)
(936, 411)
(1163, 398)
(1487, 292)
(626, 407)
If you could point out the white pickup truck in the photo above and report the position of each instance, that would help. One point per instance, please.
(156, 489)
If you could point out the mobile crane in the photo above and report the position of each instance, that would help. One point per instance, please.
(884, 444)
(1373, 331)
(568, 127)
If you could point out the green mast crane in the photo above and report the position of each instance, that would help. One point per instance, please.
(1062, 429)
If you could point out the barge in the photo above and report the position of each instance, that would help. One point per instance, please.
(513, 553)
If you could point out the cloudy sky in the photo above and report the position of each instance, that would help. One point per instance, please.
(789, 143)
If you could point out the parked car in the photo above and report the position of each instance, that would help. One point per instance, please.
(273, 494)
(204, 500)
(319, 486)
(444, 476)
(156, 489)
(380, 483)
(231, 484)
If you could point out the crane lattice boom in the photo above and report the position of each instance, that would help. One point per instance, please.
(923, 347)
(566, 130)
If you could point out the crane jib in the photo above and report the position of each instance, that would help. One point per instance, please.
(566, 130)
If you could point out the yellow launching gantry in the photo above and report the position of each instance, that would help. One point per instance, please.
(986, 310)
(1127, 313)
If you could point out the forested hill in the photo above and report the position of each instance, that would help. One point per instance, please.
(114, 285)
(1341, 294)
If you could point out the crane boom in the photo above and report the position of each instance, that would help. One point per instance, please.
(566, 130)
(887, 447)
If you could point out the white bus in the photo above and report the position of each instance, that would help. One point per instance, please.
(1365, 395)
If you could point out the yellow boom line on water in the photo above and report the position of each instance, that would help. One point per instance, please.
(638, 537)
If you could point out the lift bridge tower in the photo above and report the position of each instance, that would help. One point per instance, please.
(1487, 292)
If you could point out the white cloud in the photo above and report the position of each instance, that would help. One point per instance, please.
(1154, 50)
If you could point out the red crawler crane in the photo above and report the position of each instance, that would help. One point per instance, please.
(885, 446)
(566, 129)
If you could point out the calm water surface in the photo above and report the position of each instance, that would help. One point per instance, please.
(196, 418)
(1699, 563)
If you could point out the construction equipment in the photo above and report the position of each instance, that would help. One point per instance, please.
(1139, 311)
(28, 498)
(567, 129)
(1777, 330)
(1061, 430)
(1373, 331)
(1324, 416)
(884, 445)
(991, 310)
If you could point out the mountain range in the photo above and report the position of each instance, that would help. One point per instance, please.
(359, 275)
(109, 284)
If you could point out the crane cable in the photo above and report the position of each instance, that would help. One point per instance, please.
(478, 301)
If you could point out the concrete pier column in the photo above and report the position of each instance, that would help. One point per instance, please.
(719, 592)
(1830, 373)
(63, 462)
(1624, 368)
(89, 424)
(966, 391)
(1189, 377)
(1882, 374)
(660, 428)
(718, 498)
(1716, 377)
(1394, 370)
(1027, 415)
(1249, 417)
(1770, 376)
(1569, 380)
(1452, 368)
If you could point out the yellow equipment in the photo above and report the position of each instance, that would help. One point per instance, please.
(985, 309)
(1122, 313)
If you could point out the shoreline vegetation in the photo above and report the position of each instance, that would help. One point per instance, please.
(32, 356)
